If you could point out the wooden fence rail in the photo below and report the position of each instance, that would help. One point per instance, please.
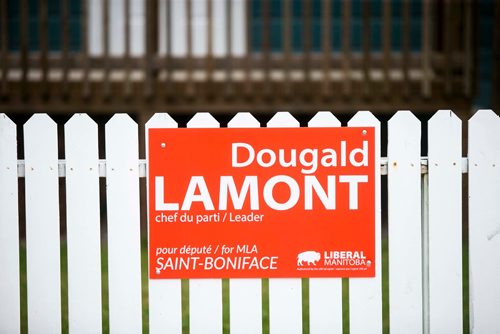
(426, 247)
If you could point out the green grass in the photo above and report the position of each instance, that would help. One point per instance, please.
(225, 295)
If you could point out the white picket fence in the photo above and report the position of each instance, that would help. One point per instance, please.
(424, 231)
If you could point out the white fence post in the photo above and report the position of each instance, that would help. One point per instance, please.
(445, 223)
(365, 294)
(205, 295)
(83, 225)
(9, 230)
(124, 244)
(165, 303)
(484, 221)
(245, 295)
(285, 294)
(405, 227)
(42, 225)
(325, 294)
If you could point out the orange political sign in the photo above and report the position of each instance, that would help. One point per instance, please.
(266, 202)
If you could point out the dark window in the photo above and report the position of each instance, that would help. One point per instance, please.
(275, 30)
(54, 24)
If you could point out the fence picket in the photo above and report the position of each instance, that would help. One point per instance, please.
(9, 230)
(42, 225)
(445, 223)
(245, 295)
(165, 304)
(325, 294)
(285, 294)
(83, 225)
(405, 227)
(124, 249)
(365, 294)
(205, 295)
(484, 218)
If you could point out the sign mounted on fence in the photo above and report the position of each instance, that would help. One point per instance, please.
(265, 202)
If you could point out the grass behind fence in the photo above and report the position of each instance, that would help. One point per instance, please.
(225, 296)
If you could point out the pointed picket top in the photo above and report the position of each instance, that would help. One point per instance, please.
(8, 143)
(404, 137)
(484, 128)
(445, 137)
(42, 124)
(323, 119)
(444, 115)
(484, 114)
(363, 118)
(445, 130)
(283, 119)
(80, 120)
(6, 124)
(121, 120)
(243, 120)
(446, 126)
(40, 131)
(39, 118)
(405, 116)
(80, 136)
(203, 120)
(161, 121)
(80, 128)
(121, 131)
(40, 141)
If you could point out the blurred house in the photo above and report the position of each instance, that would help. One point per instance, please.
(224, 56)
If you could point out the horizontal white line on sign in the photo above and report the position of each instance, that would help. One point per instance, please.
(142, 165)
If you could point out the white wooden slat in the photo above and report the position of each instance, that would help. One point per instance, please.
(205, 295)
(365, 294)
(42, 225)
(445, 223)
(405, 227)
(9, 230)
(484, 221)
(285, 294)
(165, 304)
(83, 225)
(245, 295)
(325, 294)
(124, 249)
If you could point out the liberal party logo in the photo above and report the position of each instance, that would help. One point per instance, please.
(308, 257)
